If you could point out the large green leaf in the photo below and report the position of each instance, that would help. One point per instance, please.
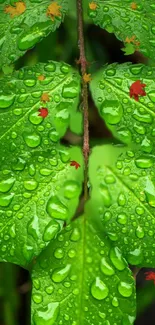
(21, 32)
(129, 120)
(82, 279)
(117, 17)
(22, 129)
(36, 197)
(123, 195)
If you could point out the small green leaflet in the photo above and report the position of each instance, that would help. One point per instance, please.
(22, 32)
(22, 129)
(81, 278)
(130, 121)
(123, 195)
(118, 17)
(37, 195)
(128, 49)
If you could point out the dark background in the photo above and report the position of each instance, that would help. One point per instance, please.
(101, 48)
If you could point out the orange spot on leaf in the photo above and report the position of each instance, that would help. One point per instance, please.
(150, 276)
(53, 10)
(43, 112)
(136, 90)
(45, 98)
(92, 5)
(87, 77)
(41, 77)
(16, 10)
(75, 164)
(130, 40)
(134, 5)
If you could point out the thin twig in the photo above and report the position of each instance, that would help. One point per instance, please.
(83, 64)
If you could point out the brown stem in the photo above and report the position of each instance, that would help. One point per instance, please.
(83, 64)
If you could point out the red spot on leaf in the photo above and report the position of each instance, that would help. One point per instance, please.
(150, 276)
(43, 112)
(74, 163)
(136, 90)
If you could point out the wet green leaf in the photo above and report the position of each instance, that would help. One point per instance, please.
(37, 195)
(118, 17)
(123, 195)
(22, 95)
(131, 121)
(82, 279)
(19, 33)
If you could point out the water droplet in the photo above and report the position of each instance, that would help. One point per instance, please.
(105, 195)
(6, 100)
(51, 67)
(110, 72)
(150, 192)
(32, 140)
(30, 185)
(30, 37)
(54, 135)
(75, 235)
(51, 230)
(6, 184)
(115, 302)
(56, 209)
(135, 257)
(125, 289)
(124, 135)
(59, 253)
(60, 274)
(28, 252)
(110, 179)
(117, 259)
(139, 129)
(106, 268)
(35, 118)
(140, 232)
(121, 199)
(49, 290)
(72, 253)
(47, 315)
(65, 68)
(36, 284)
(29, 82)
(122, 218)
(71, 189)
(12, 231)
(146, 118)
(5, 200)
(99, 290)
(70, 90)
(37, 298)
(143, 162)
(111, 111)
(33, 227)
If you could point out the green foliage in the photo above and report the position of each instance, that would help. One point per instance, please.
(118, 17)
(79, 268)
(129, 120)
(82, 279)
(21, 32)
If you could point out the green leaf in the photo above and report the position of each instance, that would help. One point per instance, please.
(128, 49)
(117, 16)
(22, 129)
(82, 279)
(21, 32)
(36, 197)
(129, 120)
(123, 193)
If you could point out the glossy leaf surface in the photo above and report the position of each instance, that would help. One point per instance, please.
(20, 32)
(82, 279)
(131, 22)
(129, 120)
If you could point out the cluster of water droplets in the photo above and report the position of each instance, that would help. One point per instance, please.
(125, 22)
(127, 196)
(129, 120)
(106, 281)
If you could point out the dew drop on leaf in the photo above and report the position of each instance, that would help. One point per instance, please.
(98, 289)
(125, 289)
(106, 268)
(60, 274)
(56, 209)
(117, 259)
(51, 230)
